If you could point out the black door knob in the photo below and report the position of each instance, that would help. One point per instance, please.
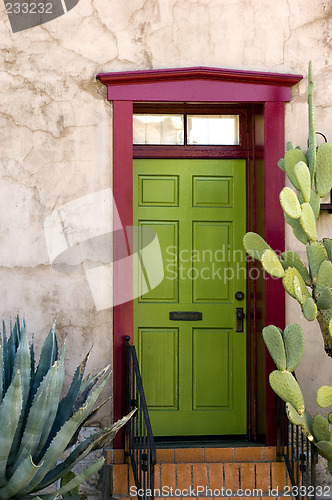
(239, 295)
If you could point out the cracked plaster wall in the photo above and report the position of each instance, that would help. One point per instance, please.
(56, 130)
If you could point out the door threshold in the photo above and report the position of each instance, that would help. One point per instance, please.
(204, 442)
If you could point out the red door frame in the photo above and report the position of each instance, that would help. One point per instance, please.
(269, 91)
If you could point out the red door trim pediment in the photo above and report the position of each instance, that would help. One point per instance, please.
(199, 84)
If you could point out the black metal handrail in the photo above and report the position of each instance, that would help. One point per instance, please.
(140, 446)
(299, 454)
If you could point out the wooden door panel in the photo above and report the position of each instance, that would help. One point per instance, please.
(194, 372)
(168, 235)
(212, 360)
(208, 239)
(159, 354)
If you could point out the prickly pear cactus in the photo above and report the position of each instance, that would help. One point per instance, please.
(310, 174)
(286, 349)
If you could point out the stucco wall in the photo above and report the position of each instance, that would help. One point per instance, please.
(56, 130)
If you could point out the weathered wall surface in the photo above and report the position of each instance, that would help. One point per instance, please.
(56, 130)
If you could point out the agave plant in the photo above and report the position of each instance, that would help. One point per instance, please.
(37, 425)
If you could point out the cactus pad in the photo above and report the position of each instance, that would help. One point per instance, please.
(324, 277)
(281, 164)
(302, 175)
(297, 229)
(327, 242)
(294, 344)
(289, 202)
(275, 345)
(315, 203)
(288, 282)
(325, 449)
(292, 259)
(307, 424)
(271, 264)
(293, 416)
(308, 221)
(301, 294)
(292, 157)
(323, 177)
(286, 387)
(311, 158)
(324, 396)
(310, 309)
(316, 255)
(300, 234)
(321, 429)
(255, 245)
(324, 300)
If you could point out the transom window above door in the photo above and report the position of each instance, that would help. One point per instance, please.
(186, 129)
(181, 130)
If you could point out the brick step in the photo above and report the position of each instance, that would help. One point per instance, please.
(207, 477)
(205, 455)
(209, 455)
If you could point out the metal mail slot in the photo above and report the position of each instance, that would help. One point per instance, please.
(185, 316)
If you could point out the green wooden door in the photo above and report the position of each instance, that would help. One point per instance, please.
(194, 372)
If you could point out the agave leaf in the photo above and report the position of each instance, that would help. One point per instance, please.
(96, 441)
(5, 356)
(74, 458)
(85, 382)
(85, 393)
(66, 478)
(16, 332)
(11, 353)
(66, 404)
(10, 411)
(61, 440)
(46, 360)
(38, 417)
(22, 363)
(2, 376)
(32, 362)
(19, 480)
(84, 422)
(83, 476)
(54, 403)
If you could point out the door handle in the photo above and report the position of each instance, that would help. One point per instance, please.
(239, 319)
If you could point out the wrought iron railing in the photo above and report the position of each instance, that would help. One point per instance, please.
(299, 454)
(140, 445)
